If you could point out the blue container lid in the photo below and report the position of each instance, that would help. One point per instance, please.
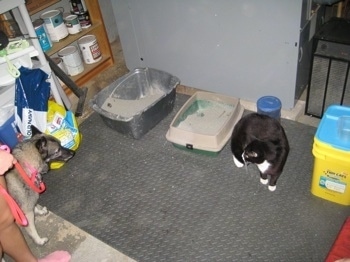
(328, 129)
(269, 103)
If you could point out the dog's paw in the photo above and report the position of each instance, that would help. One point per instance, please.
(41, 241)
(40, 210)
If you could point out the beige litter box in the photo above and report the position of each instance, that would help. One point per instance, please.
(204, 123)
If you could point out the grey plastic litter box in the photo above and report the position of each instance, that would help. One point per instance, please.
(137, 101)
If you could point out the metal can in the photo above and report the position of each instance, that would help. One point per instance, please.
(78, 6)
(84, 20)
(54, 24)
(72, 60)
(90, 49)
(59, 62)
(72, 24)
(43, 36)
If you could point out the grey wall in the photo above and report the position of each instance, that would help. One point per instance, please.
(107, 8)
(246, 49)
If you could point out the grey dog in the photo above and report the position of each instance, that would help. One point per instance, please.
(36, 154)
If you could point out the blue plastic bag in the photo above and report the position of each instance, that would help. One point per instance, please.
(31, 100)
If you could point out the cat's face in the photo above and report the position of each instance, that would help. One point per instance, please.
(255, 152)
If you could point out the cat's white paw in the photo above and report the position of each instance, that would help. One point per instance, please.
(264, 181)
(272, 188)
(237, 163)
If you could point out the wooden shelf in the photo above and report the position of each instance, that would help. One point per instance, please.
(34, 6)
(57, 46)
(99, 31)
(91, 70)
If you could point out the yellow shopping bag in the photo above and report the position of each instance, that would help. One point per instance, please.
(62, 125)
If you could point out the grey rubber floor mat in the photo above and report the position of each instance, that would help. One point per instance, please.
(155, 202)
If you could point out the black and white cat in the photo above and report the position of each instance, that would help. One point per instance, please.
(261, 140)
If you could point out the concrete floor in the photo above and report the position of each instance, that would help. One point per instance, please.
(62, 234)
(84, 247)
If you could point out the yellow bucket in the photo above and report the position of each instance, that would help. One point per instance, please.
(331, 149)
(331, 173)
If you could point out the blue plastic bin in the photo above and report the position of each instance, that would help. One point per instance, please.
(8, 133)
(270, 105)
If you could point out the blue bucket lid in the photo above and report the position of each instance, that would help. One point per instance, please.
(328, 129)
(269, 103)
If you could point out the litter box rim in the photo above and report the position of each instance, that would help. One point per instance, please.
(174, 134)
(174, 82)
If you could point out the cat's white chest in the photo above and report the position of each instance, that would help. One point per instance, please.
(263, 166)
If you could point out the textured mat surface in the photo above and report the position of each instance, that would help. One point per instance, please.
(155, 202)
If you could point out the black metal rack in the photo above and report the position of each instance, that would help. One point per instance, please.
(329, 75)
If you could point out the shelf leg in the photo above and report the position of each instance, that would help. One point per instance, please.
(41, 56)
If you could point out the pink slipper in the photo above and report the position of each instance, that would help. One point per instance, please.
(57, 256)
